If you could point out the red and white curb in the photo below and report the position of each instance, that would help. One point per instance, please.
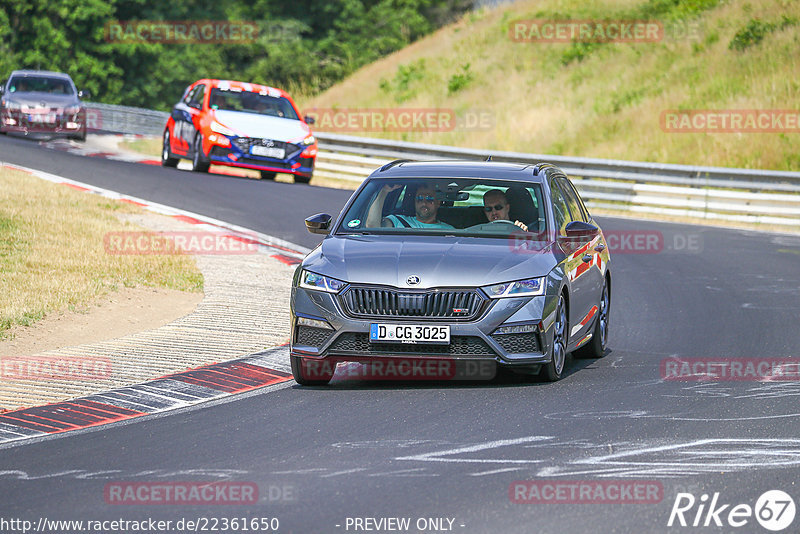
(167, 393)
(289, 253)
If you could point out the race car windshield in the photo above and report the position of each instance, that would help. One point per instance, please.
(39, 84)
(250, 102)
(454, 206)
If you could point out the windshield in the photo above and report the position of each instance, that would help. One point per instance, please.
(472, 207)
(39, 84)
(251, 102)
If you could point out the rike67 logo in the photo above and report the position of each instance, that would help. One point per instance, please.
(774, 510)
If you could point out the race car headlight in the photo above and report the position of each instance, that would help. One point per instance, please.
(318, 282)
(12, 106)
(310, 140)
(72, 110)
(520, 288)
(220, 129)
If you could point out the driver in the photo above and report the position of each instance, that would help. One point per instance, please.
(496, 207)
(426, 208)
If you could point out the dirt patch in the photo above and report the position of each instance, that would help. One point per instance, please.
(127, 311)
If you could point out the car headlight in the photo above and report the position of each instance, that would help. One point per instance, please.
(318, 282)
(310, 140)
(520, 288)
(12, 106)
(72, 110)
(220, 129)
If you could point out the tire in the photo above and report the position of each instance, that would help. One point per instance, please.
(199, 164)
(268, 175)
(300, 370)
(596, 348)
(301, 179)
(166, 153)
(554, 369)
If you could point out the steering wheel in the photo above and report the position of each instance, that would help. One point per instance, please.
(506, 221)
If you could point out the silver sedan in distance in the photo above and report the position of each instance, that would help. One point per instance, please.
(451, 270)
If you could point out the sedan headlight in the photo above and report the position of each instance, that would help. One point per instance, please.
(318, 282)
(12, 106)
(220, 129)
(520, 288)
(72, 110)
(310, 140)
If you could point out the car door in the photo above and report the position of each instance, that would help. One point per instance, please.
(184, 114)
(577, 260)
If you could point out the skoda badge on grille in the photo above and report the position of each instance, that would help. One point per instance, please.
(412, 280)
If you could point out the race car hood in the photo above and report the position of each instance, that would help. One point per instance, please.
(437, 261)
(263, 126)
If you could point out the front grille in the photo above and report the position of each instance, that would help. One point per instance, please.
(356, 344)
(245, 143)
(516, 343)
(455, 305)
(312, 337)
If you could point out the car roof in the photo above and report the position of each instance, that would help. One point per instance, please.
(40, 73)
(521, 172)
(243, 86)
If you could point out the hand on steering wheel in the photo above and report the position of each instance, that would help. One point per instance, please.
(522, 225)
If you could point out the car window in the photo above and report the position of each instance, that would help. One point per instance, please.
(188, 98)
(197, 97)
(261, 103)
(577, 212)
(453, 205)
(40, 84)
(560, 209)
(586, 215)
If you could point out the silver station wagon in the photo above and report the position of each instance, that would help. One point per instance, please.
(436, 270)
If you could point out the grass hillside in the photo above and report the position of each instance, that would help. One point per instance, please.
(598, 100)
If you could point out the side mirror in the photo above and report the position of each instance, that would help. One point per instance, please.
(84, 94)
(2, 88)
(319, 223)
(309, 119)
(581, 230)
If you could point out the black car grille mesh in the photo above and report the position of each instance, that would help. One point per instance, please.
(516, 343)
(245, 143)
(355, 344)
(312, 337)
(454, 305)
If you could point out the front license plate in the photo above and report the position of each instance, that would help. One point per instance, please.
(268, 152)
(44, 118)
(409, 333)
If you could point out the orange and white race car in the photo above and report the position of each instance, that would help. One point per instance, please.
(238, 124)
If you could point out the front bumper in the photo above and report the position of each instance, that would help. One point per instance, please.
(348, 337)
(235, 151)
(58, 124)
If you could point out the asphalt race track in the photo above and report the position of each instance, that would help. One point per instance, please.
(322, 457)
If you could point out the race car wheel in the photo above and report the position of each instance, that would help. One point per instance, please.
(268, 175)
(596, 347)
(301, 179)
(199, 164)
(552, 370)
(308, 372)
(166, 154)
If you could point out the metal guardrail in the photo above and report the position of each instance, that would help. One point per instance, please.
(105, 118)
(755, 196)
(721, 193)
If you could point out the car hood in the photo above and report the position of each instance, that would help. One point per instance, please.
(438, 262)
(263, 126)
(36, 99)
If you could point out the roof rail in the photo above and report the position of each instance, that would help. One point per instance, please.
(539, 167)
(395, 162)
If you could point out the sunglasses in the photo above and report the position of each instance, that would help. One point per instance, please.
(496, 207)
(428, 198)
